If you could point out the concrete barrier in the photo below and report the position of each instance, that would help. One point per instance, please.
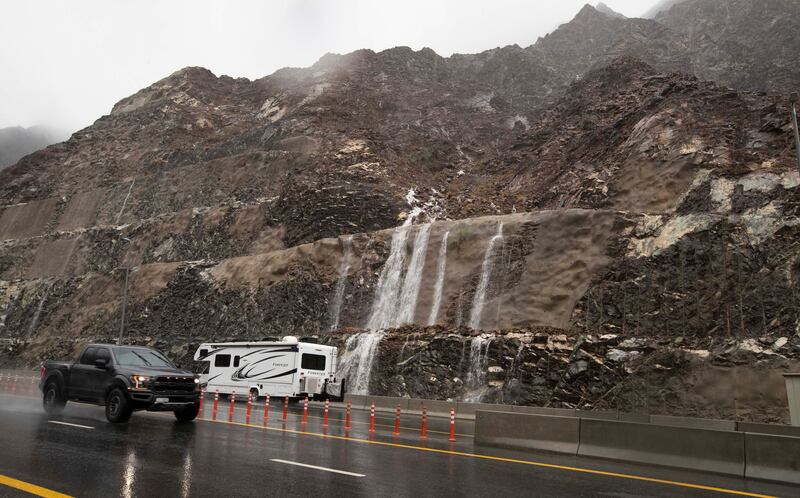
(699, 449)
(357, 401)
(694, 423)
(467, 410)
(774, 458)
(640, 418)
(387, 403)
(434, 407)
(541, 410)
(597, 414)
(527, 432)
(774, 429)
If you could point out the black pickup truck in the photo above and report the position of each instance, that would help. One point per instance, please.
(124, 379)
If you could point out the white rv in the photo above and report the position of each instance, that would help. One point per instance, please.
(286, 368)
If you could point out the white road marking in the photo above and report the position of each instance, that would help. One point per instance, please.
(71, 425)
(326, 469)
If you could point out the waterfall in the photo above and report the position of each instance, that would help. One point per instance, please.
(38, 312)
(479, 300)
(476, 372)
(357, 364)
(440, 271)
(338, 296)
(388, 288)
(407, 306)
(398, 286)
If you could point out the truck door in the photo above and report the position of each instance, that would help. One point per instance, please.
(98, 377)
(79, 374)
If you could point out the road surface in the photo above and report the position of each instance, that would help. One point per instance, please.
(78, 453)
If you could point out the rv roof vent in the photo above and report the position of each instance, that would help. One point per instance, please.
(290, 339)
(310, 339)
(270, 338)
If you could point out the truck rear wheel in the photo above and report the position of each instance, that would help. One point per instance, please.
(118, 407)
(187, 413)
(254, 394)
(52, 400)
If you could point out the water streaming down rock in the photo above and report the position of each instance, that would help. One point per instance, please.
(479, 301)
(476, 373)
(407, 306)
(398, 286)
(338, 296)
(388, 289)
(38, 312)
(358, 360)
(440, 272)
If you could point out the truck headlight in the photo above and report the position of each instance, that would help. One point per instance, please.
(197, 384)
(141, 381)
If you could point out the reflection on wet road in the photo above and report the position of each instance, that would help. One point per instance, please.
(153, 455)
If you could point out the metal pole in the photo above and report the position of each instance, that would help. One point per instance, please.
(793, 98)
(124, 305)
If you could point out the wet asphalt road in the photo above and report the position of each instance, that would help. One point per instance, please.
(155, 456)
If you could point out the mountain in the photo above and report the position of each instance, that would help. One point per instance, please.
(612, 210)
(16, 142)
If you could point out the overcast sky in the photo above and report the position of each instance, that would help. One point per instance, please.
(65, 63)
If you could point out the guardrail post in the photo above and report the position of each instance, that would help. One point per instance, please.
(216, 401)
(452, 424)
(285, 408)
(233, 404)
(372, 417)
(423, 433)
(200, 404)
(249, 408)
(325, 417)
(397, 421)
(305, 411)
(347, 419)
(32, 388)
(266, 410)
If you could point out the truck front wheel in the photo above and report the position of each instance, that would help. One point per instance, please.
(118, 407)
(187, 413)
(52, 400)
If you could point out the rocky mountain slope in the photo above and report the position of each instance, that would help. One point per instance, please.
(615, 207)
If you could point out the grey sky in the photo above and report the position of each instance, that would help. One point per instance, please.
(65, 63)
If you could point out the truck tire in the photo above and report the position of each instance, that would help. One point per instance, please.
(254, 394)
(118, 407)
(187, 413)
(52, 399)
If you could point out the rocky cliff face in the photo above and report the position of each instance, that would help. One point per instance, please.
(623, 234)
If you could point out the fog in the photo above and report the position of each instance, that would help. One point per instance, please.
(65, 64)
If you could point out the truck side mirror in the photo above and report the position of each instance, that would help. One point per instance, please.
(101, 362)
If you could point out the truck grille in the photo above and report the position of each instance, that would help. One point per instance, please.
(173, 384)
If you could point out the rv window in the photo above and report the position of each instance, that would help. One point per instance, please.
(235, 361)
(313, 362)
(203, 353)
(222, 360)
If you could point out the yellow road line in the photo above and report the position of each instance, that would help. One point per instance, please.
(30, 488)
(507, 460)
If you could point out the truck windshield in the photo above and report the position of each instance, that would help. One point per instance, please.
(136, 357)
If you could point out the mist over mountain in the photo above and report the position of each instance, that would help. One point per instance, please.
(16, 142)
(617, 206)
